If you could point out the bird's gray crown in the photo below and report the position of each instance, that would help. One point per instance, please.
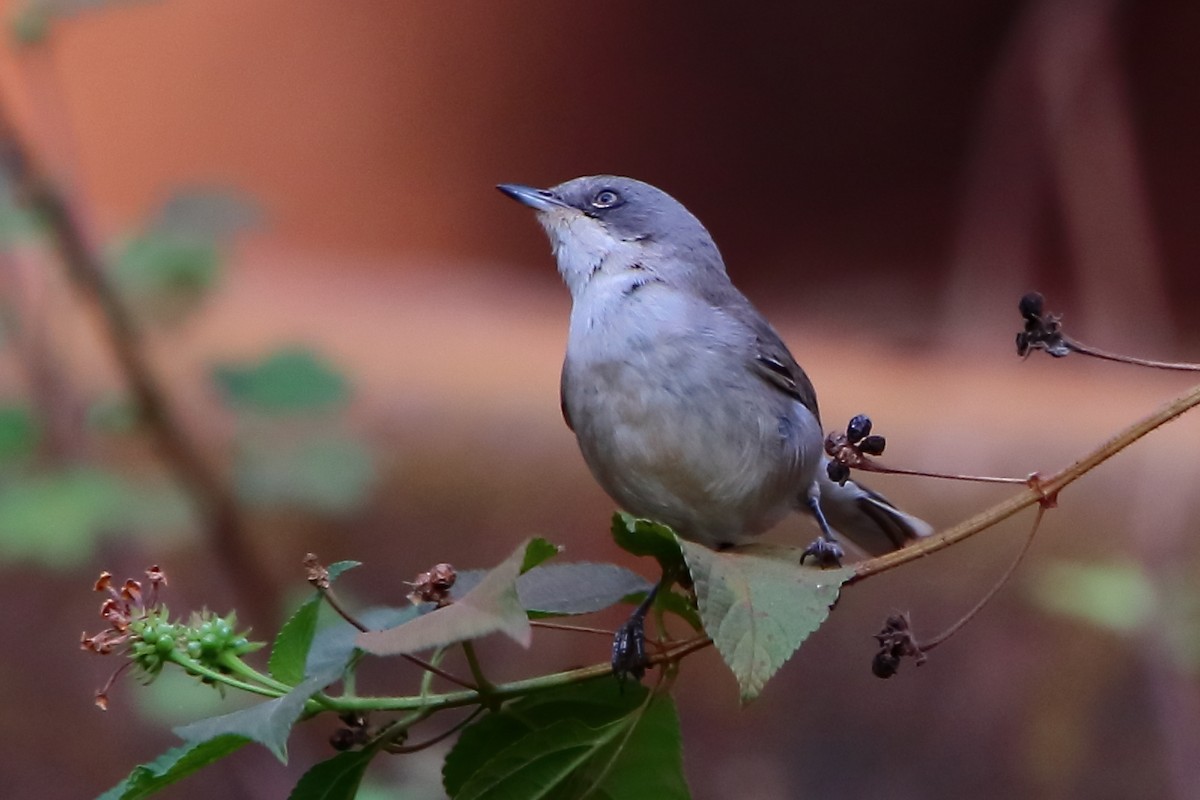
(634, 211)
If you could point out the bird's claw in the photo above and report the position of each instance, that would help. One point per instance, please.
(825, 553)
(629, 649)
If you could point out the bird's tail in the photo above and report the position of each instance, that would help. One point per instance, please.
(866, 518)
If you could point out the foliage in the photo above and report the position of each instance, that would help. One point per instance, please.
(570, 734)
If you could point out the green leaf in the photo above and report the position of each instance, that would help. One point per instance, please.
(682, 607)
(328, 474)
(267, 723)
(290, 650)
(165, 276)
(642, 537)
(19, 433)
(171, 766)
(1113, 597)
(289, 653)
(759, 604)
(537, 551)
(577, 588)
(55, 518)
(206, 214)
(337, 778)
(289, 380)
(491, 607)
(594, 739)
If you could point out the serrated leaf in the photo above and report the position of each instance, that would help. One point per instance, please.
(289, 653)
(171, 766)
(594, 739)
(287, 381)
(537, 551)
(337, 778)
(577, 588)
(491, 607)
(643, 537)
(290, 649)
(267, 723)
(758, 605)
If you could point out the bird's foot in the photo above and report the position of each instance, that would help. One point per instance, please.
(825, 553)
(629, 648)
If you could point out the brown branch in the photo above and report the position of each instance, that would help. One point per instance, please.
(220, 515)
(1041, 490)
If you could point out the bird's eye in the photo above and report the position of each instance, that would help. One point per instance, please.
(606, 198)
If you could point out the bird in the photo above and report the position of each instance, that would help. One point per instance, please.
(687, 406)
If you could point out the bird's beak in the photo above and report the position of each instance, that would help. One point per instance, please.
(537, 199)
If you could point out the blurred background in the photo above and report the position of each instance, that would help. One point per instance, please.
(350, 345)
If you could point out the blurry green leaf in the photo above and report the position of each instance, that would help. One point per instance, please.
(205, 214)
(54, 519)
(1115, 597)
(17, 225)
(578, 588)
(337, 778)
(267, 723)
(758, 605)
(643, 537)
(539, 550)
(593, 739)
(165, 276)
(287, 381)
(171, 766)
(31, 22)
(327, 474)
(19, 433)
(491, 607)
(113, 414)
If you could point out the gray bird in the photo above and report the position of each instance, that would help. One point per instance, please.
(688, 407)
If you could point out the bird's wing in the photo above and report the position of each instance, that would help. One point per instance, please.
(770, 358)
(775, 365)
(562, 398)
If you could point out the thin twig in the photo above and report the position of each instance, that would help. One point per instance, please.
(925, 647)
(1096, 352)
(867, 465)
(414, 748)
(558, 626)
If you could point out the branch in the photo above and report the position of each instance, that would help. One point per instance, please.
(1040, 491)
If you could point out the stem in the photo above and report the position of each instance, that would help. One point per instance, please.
(196, 668)
(925, 647)
(507, 691)
(1095, 352)
(243, 670)
(482, 683)
(870, 466)
(1042, 490)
